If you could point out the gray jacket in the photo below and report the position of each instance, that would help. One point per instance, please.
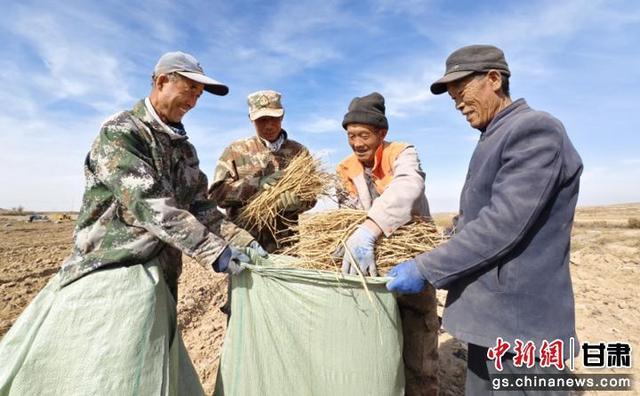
(507, 265)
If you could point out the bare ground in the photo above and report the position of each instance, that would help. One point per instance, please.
(605, 265)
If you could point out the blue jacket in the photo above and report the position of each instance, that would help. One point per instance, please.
(507, 265)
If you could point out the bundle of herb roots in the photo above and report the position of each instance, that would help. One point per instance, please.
(320, 235)
(303, 176)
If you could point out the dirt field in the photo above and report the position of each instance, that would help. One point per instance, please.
(605, 267)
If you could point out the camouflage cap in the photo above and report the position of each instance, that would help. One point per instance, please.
(265, 104)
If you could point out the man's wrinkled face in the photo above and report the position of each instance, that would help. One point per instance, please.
(177, 95)
(268, 127)
(364, 141)
(476, 99)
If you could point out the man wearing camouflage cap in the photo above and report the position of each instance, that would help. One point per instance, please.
(250, 165)
(386, 179)
(107, 321)
(506, 266)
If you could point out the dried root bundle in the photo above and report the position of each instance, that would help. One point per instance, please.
(319, 235)
(303, 176)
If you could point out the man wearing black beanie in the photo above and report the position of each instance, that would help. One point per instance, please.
(385, 179)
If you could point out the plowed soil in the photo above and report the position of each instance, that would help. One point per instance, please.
(605, 264)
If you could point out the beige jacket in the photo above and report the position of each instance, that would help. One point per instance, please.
(396, 177)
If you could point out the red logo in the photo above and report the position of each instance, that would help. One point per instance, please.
(551, 354)
(497, 352)
(525, 354)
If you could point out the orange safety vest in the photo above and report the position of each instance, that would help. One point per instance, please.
(382, 172)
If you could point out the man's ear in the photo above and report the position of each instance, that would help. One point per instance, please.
(495, 80)
(382, 132)
(161, 80)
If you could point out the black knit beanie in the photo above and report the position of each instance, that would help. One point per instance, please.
(367, 110)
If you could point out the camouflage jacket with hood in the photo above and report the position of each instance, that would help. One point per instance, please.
(146, 198)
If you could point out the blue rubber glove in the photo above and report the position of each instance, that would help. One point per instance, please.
(361, 245)
(229, 261)
(258, 248)
(406, 278)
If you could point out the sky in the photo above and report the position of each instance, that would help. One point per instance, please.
(67, 66)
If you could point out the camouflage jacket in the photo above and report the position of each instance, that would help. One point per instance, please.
(145, 198)
(237, 175)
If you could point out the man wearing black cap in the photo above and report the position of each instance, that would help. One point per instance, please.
(385, 179)
(106, 323)
(507, 265)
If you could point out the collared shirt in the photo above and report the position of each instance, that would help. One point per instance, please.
(177, 130)
(368, 173)
(275, 145)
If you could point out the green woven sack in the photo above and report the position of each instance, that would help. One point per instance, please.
(305, 332)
